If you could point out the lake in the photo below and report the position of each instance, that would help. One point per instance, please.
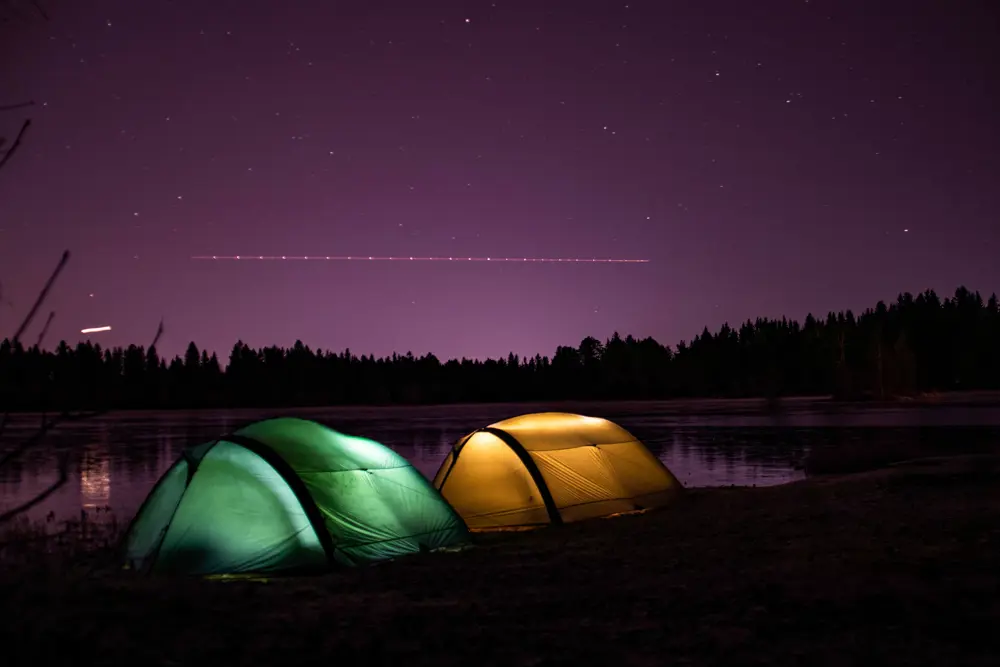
(115, 459)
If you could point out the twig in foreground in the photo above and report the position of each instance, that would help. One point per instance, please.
(16, 143)
(43, 431)
(41, 10)
(39, 498)
(63, 464)
(45, 329)
(31, 314)
(41, 297)
(156, 338)
(10, 7)
(17, 105)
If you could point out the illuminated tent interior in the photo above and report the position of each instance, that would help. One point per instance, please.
(287, 495)
(551, 467)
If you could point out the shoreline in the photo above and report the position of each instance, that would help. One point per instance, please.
(708, 404)
(897, 563)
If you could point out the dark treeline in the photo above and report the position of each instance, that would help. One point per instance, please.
(917, 344)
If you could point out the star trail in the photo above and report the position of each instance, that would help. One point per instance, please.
(373, 258)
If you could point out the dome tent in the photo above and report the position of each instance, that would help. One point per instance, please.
(287, 494)
(551, 467)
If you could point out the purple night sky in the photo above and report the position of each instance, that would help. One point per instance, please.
(770, 158)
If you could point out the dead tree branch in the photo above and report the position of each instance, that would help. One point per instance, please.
(47, 426)
(40, 497)
(45, 329)
(44, 429)
(41, 296)
(156, 338)
(17, 142)
(19, 105)
(31, 314)
(38, 8)
(10, 7)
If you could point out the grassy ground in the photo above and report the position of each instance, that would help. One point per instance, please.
(897, 566)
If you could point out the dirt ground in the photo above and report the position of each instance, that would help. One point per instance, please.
(895, 566)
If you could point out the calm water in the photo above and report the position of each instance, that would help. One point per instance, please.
(116, 459)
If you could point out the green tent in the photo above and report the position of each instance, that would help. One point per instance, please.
(287, 494)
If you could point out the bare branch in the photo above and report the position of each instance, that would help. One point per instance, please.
(41, 296)
(30, 316)
(159, 332)
(10, 7)
(19, 105)
(17, 142)
(43, 431)
(41, 10)
(48, 425)
(39, 498)
(45, 329)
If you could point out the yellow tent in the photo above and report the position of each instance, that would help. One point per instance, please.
(551, 467)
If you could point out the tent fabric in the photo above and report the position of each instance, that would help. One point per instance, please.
(551, 467)
(288, 494)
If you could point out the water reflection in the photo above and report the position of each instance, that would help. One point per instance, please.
(95, 476)
(120, 457)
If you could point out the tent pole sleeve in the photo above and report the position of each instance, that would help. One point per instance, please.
(295, 483)
(529, 463)
(456, 450)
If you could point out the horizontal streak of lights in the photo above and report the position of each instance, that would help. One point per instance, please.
(95, 330)
(373, 258)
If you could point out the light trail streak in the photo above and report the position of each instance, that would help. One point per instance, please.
(94, 330)
(375, 258)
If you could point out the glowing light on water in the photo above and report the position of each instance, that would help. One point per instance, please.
(95, 478)
(391, 258)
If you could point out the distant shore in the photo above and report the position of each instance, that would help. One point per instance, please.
(919, 343)
(897, 563)
(701, 405)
